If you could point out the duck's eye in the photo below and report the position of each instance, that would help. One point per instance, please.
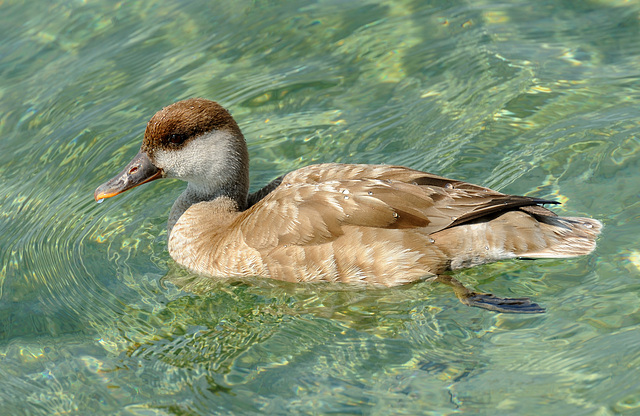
(176, 138)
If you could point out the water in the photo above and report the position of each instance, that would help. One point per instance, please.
(536, 98)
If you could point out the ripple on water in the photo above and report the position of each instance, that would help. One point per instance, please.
(94, 315)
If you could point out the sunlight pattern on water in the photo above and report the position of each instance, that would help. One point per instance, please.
(530, 98)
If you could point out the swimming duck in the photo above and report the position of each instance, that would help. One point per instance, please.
(376, 224)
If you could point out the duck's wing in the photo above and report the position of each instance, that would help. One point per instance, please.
(309, 208)
(330, 171)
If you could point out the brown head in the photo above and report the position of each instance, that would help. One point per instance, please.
(195, 140)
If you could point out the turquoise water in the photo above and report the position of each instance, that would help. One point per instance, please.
(535, 98)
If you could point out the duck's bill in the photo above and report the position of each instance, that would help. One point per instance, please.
(140, 170)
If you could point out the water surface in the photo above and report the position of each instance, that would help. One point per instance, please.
(533, 98)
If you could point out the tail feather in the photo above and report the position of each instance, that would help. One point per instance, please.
(516, 234)
(565, 237)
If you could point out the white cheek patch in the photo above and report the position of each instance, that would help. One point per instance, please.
(202, 159)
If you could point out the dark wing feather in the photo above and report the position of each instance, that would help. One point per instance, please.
(256, 196)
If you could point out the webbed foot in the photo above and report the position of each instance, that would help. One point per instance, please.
(498, 304)
(489, 301)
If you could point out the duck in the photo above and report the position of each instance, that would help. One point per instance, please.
(376, 225)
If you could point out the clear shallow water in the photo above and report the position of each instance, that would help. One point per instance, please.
(539, 99)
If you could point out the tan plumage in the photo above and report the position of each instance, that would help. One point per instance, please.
(378, 224)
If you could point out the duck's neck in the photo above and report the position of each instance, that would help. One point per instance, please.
(215, 165)
(194, 194)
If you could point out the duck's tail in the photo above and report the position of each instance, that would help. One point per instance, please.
(562, 237)
(523, 233)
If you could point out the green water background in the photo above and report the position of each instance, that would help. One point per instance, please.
(538, 98)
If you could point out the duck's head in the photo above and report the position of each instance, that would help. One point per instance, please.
(195, 140)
